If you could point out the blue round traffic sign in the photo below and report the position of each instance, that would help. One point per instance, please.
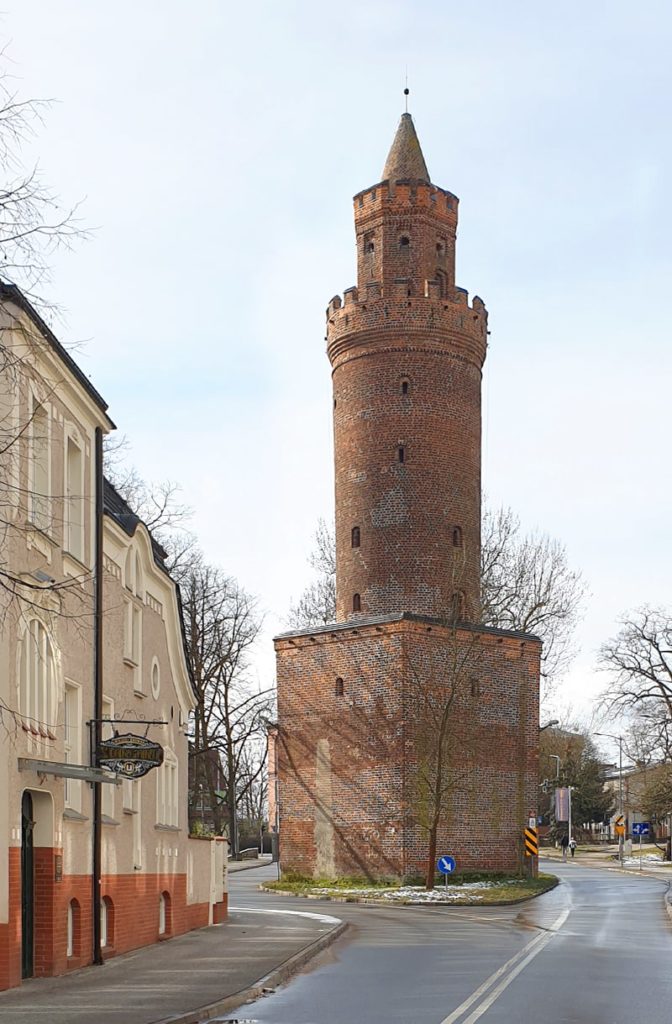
(446, 865)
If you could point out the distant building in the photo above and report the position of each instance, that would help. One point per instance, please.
(154, 881)
(361, 701)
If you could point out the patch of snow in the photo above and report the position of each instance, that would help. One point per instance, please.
(415, 892)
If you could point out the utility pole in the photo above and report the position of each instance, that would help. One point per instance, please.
(621, 808)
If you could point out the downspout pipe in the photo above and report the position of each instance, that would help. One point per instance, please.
(96, 724)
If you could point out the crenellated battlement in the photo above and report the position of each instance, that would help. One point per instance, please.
(404, 198)
(399, 315)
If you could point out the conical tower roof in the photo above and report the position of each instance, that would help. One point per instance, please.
(405, 159)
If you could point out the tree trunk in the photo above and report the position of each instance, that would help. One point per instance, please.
(431, 857)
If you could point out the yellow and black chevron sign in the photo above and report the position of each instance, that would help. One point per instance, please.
(531, 842)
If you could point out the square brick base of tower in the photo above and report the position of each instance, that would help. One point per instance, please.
(364, 710)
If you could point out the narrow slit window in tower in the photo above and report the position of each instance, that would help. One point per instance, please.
(401, 453)
(457, 537)
(404, 387)
(404, 242)
(475, 688)
(339, 687)
(355, 537)
(356, 603)
(457, 606)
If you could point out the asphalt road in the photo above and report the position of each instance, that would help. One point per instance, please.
(596, 950)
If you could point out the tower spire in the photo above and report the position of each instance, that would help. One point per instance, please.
(405, 159)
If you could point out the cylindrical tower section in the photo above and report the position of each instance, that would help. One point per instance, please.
(407, 432)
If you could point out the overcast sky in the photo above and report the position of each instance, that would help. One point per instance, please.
(218, 146)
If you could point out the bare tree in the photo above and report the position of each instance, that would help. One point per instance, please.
(317, 604)
(528, 584)
(222, 623)
(638, 661)
(446, 740)
(158, 504)
(33, 226)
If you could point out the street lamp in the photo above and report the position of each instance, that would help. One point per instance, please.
(619, 739)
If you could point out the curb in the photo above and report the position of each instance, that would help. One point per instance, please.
(372, 902)
(248, 867)
(270, 981)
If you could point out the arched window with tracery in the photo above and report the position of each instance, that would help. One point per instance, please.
(37, 681)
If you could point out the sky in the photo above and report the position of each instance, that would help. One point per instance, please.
(216, 148)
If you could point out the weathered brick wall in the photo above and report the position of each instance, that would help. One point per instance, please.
(348, 761)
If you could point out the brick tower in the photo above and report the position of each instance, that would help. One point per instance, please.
(359, 700)
(407, 352)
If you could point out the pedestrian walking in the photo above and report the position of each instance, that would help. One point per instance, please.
(564, 843)
(572, 845)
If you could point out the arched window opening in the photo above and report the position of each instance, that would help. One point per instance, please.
(356, 603)
(457, 537)
(475, 688)
(74, 929)
(370, 247)
(129, 571)
(165, 923)
(404, 387)
(404, 242)
(457, 606)
(106, 922)
(401, 453)
(440, 249)
(37, 681)
(138, 576)
(355, 537)
(339, 687)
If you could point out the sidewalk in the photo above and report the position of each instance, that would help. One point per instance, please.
(219, 967)
(608, 858)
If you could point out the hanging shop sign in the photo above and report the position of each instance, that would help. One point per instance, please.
(129, 755)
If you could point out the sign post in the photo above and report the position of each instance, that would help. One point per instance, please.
(641, 828)
(446, 865)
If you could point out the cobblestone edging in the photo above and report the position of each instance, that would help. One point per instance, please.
(262, 987)
(372, 902)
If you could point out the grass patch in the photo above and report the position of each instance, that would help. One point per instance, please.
(476, 888)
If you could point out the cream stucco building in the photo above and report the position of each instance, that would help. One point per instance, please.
(56, 514)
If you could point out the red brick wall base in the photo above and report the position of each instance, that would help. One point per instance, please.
(132, 916)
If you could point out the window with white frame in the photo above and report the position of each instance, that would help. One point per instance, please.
(129, 571)
(37, 682)
(107, 732)
(40, 466)
(72, 742)
(167, 809)
(133, 642)
(74, 498)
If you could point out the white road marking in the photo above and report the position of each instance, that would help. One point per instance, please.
(510, 970)
(294, 913)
